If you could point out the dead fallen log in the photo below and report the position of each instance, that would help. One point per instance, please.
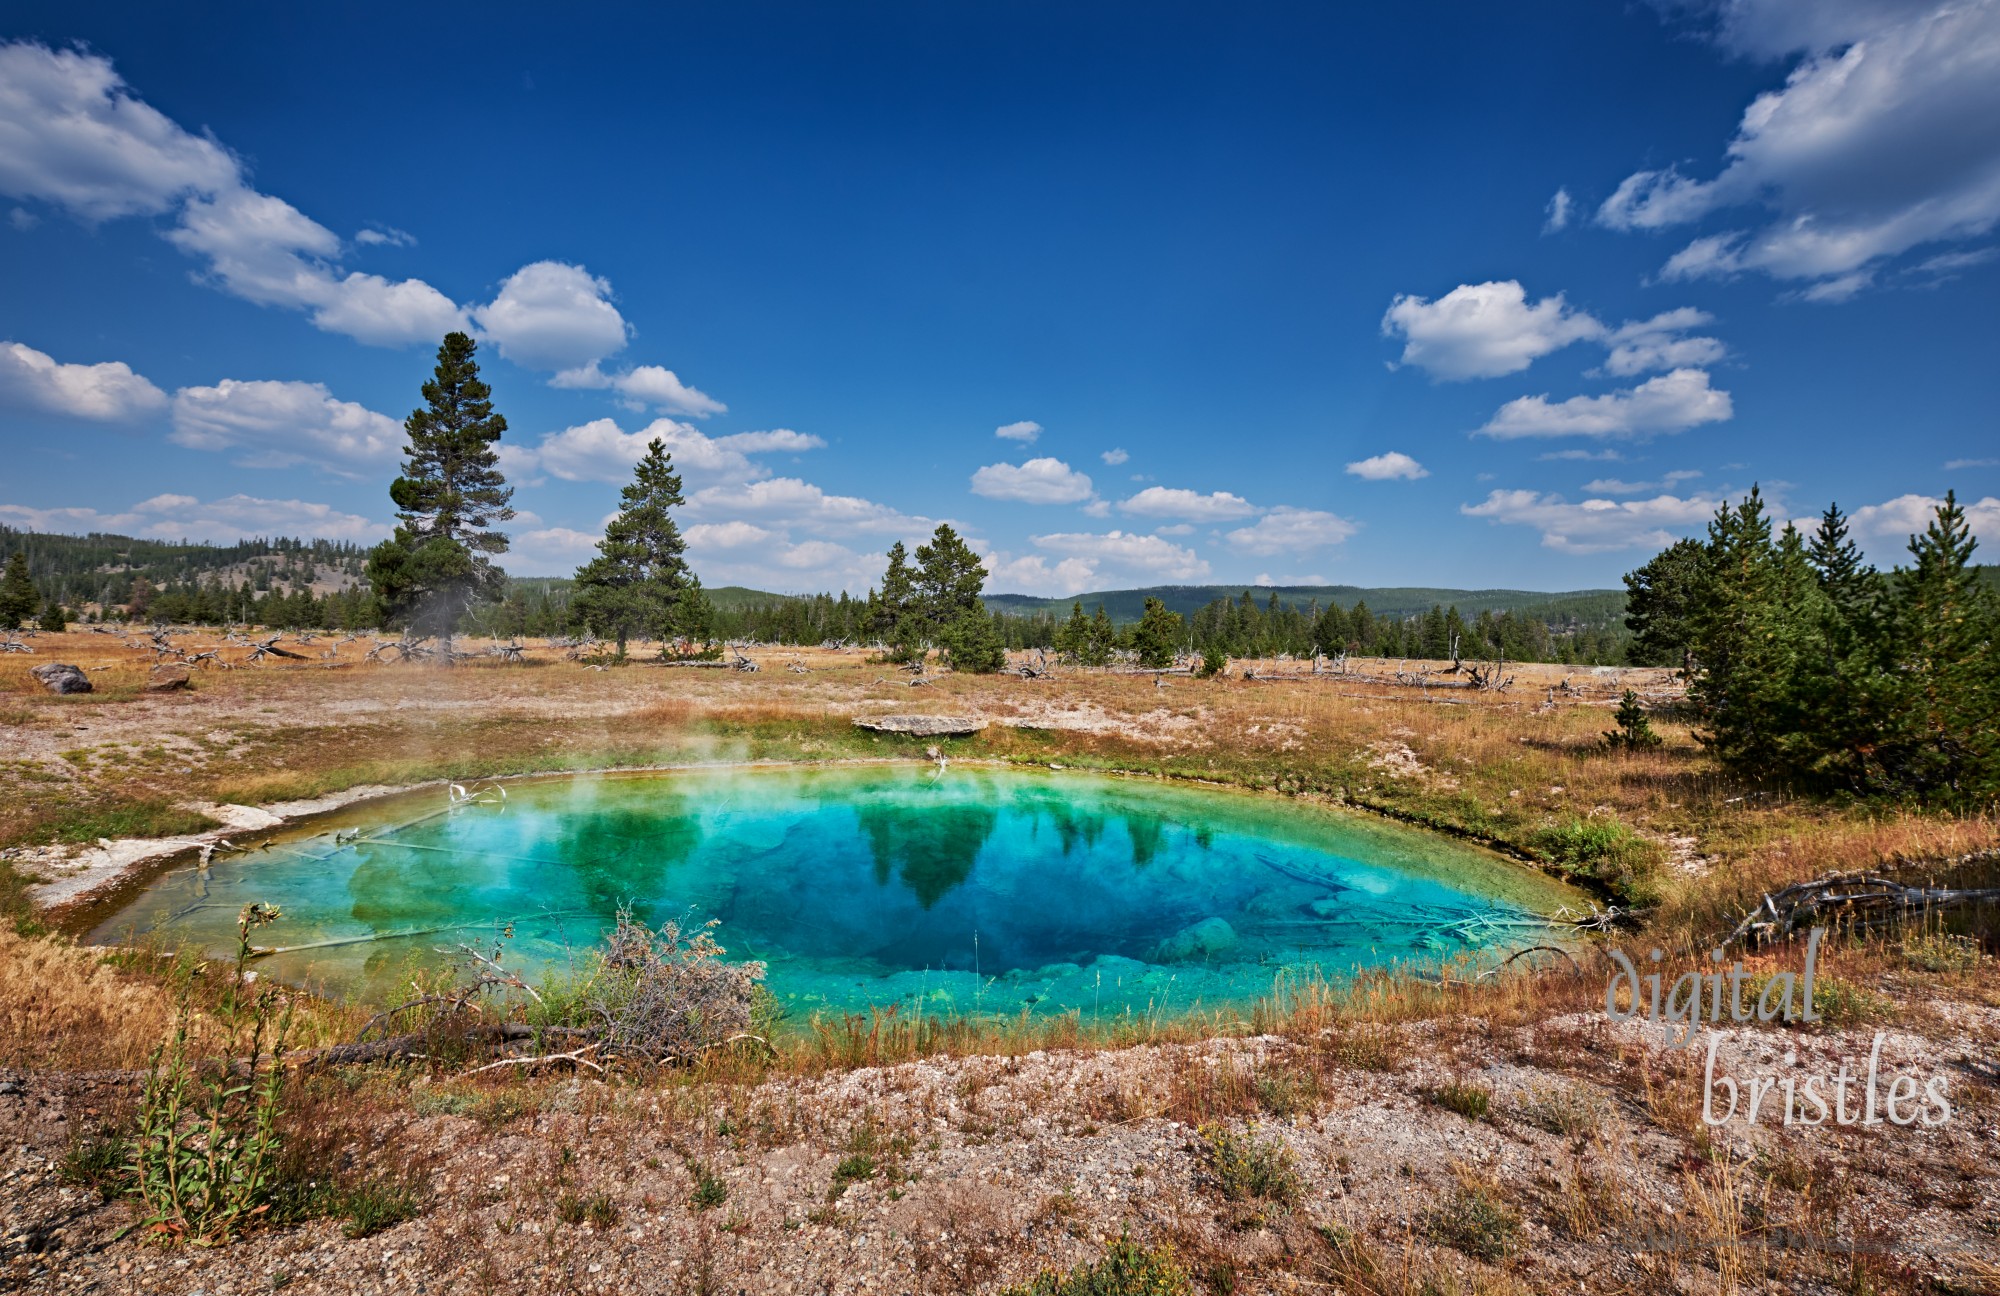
(1856, 900)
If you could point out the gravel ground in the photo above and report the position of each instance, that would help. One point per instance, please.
(981, 1171)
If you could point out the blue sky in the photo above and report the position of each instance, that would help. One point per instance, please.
(1454, 294)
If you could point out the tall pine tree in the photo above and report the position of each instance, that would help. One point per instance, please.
(640, 582)
(449, 497)
(18, 596)
(1947, 665)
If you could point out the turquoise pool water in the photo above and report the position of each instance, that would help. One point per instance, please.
(972, 891)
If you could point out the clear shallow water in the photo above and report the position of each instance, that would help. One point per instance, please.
(980, 891)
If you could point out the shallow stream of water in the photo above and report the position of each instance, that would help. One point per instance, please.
(971, 891)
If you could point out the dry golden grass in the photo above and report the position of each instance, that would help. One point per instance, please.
(65, 1008)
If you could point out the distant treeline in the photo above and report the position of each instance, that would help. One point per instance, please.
(266, 582)
(112, 572)
(1239, 627)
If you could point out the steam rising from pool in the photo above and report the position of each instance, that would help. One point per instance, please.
(969, 891)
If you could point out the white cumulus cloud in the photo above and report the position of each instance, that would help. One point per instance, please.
(108, 392)
(552, 315)
(1026, 431)
(644, 385)
(1893, 522)
(73, 134)
(1597, 525)
(600, 450)
(1193, 506)
(1038, 481)
(1670, 402)
(277, 424)
(221, 521)
(1484, 330)
(1113, 458)
(1662, 342)
(1388, 467)
(1147, 555)
(1034, 574)
(1881, 140)
(1288, 530)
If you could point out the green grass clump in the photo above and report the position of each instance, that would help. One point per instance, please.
(148, 818)
(1941, 952)
(373, 1207)
(1601, 852)
(709, 1190)
(1477, 1221)
(1468, 1100)
(100, 1162)
(1250, 1168)
(596, 1210)
(851, 1170)
(1562, 1109)
(1127, 1269)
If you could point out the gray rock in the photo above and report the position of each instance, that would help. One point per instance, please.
(1205, 939)
(59, 677)
(165, 679)
(923, 726)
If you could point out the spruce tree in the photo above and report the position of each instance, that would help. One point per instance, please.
(1730, 619)
(449, 497)
(54, 619)
(18, 598)
(1072, 637)
(1102, 640)
(894, 614)
(1329, 632)
(1157, 637)
(1660, 601)
(1634, 732)
(640, 581)
(1945, 627)
(948, 582)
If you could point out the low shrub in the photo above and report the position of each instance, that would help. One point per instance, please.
(1468, 1100)
(1127, 1269)
(1249, 1168)
(1475, 1219)
(1562, 1109)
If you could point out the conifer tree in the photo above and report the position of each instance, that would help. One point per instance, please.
(1072, 637)
(18, 598)
(449, 496)
(1157, 636)
(1947, 663)
(1329, 632)
(640, 582)
(1660, 604)
(946, 588)
(1634, 732)
(54, 619)
(1103, 639)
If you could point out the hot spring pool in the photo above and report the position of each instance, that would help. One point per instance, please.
(974, 891)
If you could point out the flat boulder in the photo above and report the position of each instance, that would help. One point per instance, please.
(60, 677)
(923, 726)
(165, 679)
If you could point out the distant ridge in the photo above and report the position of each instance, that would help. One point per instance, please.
(1593, 605)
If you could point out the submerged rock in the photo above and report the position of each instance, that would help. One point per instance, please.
(1205, 939)
(60, 677)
